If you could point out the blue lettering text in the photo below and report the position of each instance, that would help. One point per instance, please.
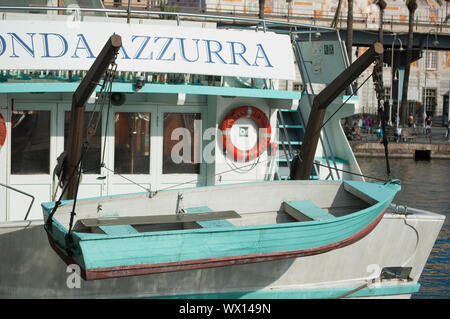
(261, 54)
(84, 46)
(15, 38)
(183, 53)
(46, 48)
(164, 49)
(240, 54)
(141, 48)
(215, 52)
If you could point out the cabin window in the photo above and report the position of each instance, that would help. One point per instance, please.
(181, 138)
(92, 158)
(30, 142)
(132, 143)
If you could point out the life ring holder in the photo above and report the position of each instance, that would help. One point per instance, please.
(264, 141)
(2, 130)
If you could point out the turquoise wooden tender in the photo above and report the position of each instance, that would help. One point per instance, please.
(219, 243)
(208, 223)
(305, 209)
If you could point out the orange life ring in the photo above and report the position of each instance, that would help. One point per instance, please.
(2, 130)
(264, 140)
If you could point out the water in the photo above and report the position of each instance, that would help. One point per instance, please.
(425, 185)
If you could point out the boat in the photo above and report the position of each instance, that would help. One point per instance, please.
(232, 214)
(120, 240)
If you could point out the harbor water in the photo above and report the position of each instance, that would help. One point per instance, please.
(425, 185)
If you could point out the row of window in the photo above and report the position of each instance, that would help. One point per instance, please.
(429, 98)
(30, 142)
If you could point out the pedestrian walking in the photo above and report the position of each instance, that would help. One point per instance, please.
(428, 123)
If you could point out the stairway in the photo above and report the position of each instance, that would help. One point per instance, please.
(291, 131)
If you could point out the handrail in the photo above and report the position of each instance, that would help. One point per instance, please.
(21, 192)
(263, 22)
(232, 12)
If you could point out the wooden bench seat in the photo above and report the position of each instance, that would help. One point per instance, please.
(208, 223)
(199, 216)
(119, 230)
(305, 210)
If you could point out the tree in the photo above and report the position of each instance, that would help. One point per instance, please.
(350, 30)
(262, 4)
(336, 15)
(412, 6)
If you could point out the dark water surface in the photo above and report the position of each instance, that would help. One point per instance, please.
(425, 185)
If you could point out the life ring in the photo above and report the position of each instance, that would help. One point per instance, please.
(2, 130)
(264, 129)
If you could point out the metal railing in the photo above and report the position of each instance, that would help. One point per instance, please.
(242, 13)
(298, 13)
(23, 193)
(264, 23)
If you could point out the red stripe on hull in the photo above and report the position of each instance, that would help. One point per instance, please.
(136, 270)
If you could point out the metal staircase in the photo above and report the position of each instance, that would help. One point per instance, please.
(291, 123)
(291, 132)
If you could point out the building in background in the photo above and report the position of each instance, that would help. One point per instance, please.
(429, 78)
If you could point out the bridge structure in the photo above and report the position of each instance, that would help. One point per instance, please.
(433, 27)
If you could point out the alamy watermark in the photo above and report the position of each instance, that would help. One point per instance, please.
(197, 147)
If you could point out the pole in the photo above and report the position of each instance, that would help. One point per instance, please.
(79, 100)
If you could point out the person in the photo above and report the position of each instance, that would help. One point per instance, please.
(428, 123)
(360, 122)
(394, 119)
(355, 131)
(411, 120)
(448, 130)
(380, 131)
(368, 124)
(398, 134)
(347, 131)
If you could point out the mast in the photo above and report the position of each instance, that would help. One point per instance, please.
(79, 100)
(303, 162)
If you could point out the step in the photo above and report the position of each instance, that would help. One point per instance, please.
(208, 223)
(286, 177)
(291, 142)
(201, 216)
(304, 210)
(119, 230)
(297, 126)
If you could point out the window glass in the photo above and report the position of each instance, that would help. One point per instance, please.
(181, 143)
(92, 158)
(430, 100)
(431, 60)
(132, 143)
(30, 142)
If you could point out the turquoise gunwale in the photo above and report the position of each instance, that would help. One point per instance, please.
(95, 251)
(370, 291)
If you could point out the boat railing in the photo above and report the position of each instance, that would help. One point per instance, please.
(23, 193)
(264, 23)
